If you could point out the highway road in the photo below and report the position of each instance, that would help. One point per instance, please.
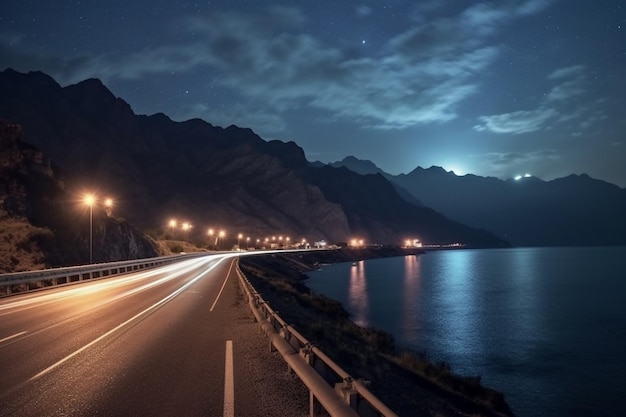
(177, 340)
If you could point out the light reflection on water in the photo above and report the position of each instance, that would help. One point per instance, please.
(545, 325)
(411, 321)
(358, 297)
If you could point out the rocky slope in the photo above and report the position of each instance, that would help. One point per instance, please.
(41, 225)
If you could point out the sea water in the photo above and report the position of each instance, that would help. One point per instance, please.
(546, 326)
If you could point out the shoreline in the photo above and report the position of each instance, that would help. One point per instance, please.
(406, 381)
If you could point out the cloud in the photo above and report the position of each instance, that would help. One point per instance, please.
(516, 122)
(574, 71)
(363, 10)
(419, 76)
(236, 114)
(531, 7)
(508, 159)
(561, 104)
(572, 83)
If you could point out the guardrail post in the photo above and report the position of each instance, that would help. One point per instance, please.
(271, 320)
(307, 353)
(348, 392)
(284, 333)
(315, 407)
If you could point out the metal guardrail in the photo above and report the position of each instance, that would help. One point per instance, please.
(61, 276)
(330, 387)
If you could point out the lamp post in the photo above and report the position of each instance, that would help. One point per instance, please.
(89, 201)
(239, 236)
(108, 205)
(220, 236)
(210, 233)
(186, 226)
(173, 223)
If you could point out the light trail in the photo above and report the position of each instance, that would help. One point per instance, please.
(40, 300)
(130, 320)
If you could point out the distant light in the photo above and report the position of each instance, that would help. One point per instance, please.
(527, 175)
(518, 177)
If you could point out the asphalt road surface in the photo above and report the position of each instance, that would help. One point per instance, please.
(177, 340)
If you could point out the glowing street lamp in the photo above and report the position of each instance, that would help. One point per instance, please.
(239, 236)
(108, 206)
(89, 200)
(221, 235)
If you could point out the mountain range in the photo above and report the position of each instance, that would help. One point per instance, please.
(526, 211)
(230, 178)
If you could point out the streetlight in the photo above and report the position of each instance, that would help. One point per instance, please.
(108, 206)
(186, 227)
(173, 223)
(89, 200)
(210, 232)
(239, 236)
(220, 236)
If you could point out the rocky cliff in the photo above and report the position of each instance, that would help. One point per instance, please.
(42, 225)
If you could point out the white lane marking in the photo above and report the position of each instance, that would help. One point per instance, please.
(229, 382)
(110, 332)
(11, 337)
(223, 285)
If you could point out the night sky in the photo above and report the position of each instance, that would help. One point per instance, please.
(496, 88)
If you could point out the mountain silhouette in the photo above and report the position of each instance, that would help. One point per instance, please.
(211, 176)
(576, 210)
